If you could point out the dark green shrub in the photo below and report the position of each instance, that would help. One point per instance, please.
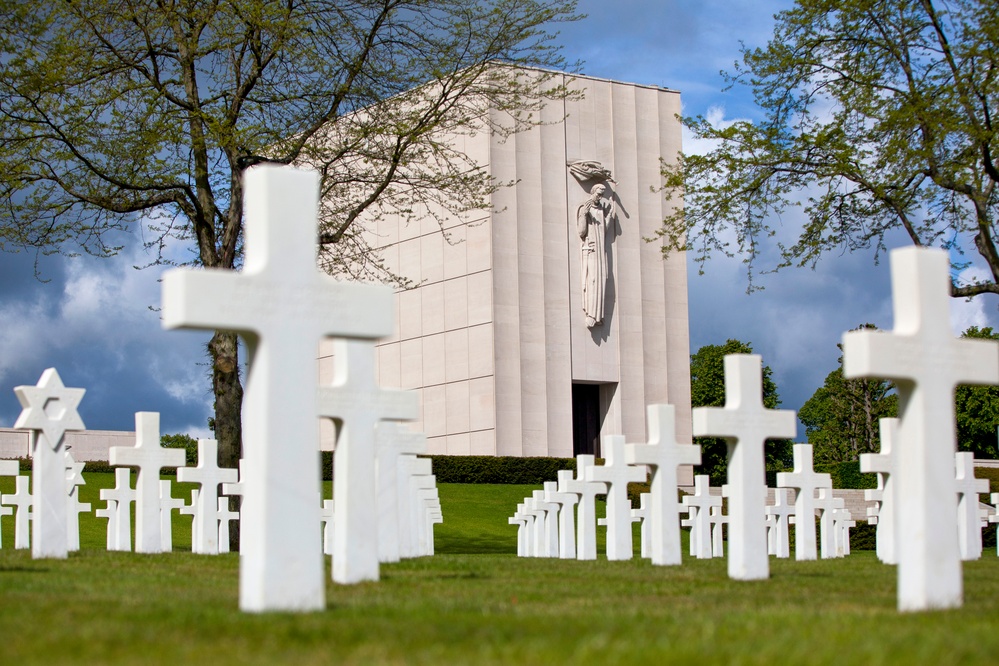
(992, 474)
(181, 441)
(499, 469)
(847, 475)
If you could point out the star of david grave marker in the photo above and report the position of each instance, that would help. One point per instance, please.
(282, 306)
(926, 363)
(49, 411)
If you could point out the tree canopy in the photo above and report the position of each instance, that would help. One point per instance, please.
(707, 389)
(842, 417)
(124, 115)
(881, 114)
(977, 410)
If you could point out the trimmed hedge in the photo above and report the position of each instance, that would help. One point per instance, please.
(848, 475)
(992, 474)
(499, 469)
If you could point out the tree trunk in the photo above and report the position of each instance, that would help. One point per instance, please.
(224, 352)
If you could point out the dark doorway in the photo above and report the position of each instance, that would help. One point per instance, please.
(585, 419)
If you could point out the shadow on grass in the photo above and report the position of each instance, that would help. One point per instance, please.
(474, 545)
(22, 569)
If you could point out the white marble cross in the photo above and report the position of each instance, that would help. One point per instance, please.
(718, 520)
(642, 515)
(167, 504)
(565, 502)
(7, 468)
(110, 511)
(994, 518)
(746, 425)
(883, 464)
(326, 517)
(22, 502)
(536, 525)
(586, 520)
(842, 522)
(827, 505)
(690, 521)
(238, 488)
(926, 363)
(358, 403)
(546, 525)
(122, 495)
(208, 475)
(617, 474)
(566, 515)
(49, 411)
(192, 511)
(771, 533)
(148, 458)
(520, 520)
(391, 442)
(423, 488)
(807, 481)
(411, 468)
(225, 516)
(74, 507)
(282, 306)
(664, 455)
(700, 504)
(782, 510)
(431, 513)
(969, 531)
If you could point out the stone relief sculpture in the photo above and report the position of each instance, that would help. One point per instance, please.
(593, 219)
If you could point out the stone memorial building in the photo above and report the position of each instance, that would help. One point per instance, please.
(548, 321)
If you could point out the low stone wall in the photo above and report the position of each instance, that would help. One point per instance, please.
(83, 444)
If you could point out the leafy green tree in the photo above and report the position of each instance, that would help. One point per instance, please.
(841, 418)
(884, 113)
(116, 114)
(182, 441)
(977, 410)
(707, 389)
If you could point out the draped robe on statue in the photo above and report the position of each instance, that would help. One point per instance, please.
(592, 220)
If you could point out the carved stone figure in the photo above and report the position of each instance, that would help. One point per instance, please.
(593, 218)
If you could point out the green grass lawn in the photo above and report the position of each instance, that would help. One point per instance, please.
(476, 603)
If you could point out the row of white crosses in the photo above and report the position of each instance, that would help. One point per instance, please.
(970, 518)
(282, 306)
(926, 363)
(546, 521)
(57, 414)
(814, 494)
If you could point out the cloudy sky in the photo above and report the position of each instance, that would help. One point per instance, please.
(95, 319)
